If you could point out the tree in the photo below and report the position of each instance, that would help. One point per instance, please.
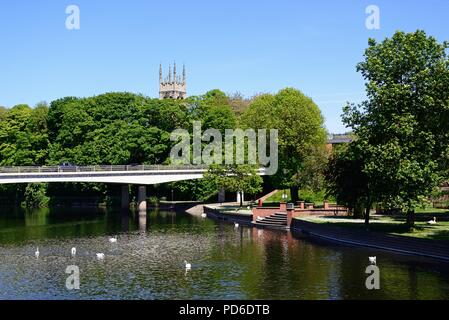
(238, 103)
(403, 126)
(235, 178)
(35, 195)
(301, 134)
(347, 182)
(213, 110)
(24, 136)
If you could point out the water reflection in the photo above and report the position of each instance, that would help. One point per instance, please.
(142, 221)
(147, 262)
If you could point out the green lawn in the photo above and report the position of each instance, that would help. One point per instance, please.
(396, 224)
(304, 194)
(233, 210)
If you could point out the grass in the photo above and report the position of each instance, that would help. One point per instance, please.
(304, 195)
(432, 210)
(395, 224)
(277, 197)
(228, 209)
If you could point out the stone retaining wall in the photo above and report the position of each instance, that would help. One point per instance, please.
(217, 215)
(422, 247)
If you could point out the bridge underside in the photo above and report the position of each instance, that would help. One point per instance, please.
(141, 175)
(144, 178)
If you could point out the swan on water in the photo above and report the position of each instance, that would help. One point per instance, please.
(188, 265)
(236, 225)
(37, 253)
(73, 252)
(113, 240)
(203, 215)
(100, 256)
(372, 260)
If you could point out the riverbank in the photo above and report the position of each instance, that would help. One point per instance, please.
(394, 225)
(229, 213)
(436, 249)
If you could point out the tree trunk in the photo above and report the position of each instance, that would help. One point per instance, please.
(411, 218)
(241, 198)
(367, 210)
(294, 193)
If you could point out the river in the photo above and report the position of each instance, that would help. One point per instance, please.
(147, 262)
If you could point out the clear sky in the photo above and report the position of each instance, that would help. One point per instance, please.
(248, 46)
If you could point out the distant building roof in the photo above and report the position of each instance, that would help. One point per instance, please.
(339, 138)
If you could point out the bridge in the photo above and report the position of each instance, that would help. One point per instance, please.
(141, 175)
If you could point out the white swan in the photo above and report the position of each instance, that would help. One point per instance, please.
(236, 225)
(113, 240)
(37, 253)
(434, 221)
(73, 252)
(372, 260)
(203, 215)
(100, 256)
(188, 265)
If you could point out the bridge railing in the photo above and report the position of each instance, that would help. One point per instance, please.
(99, 168)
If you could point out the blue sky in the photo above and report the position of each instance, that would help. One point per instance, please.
(247, 46)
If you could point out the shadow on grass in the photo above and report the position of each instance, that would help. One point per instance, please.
(379, 227)
(422, 217)
(419, 231)
(439, 235)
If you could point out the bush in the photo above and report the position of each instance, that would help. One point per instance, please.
(36, 195)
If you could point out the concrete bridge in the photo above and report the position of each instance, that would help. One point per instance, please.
(141, 175)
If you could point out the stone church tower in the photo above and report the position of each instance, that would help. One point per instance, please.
(172, 86)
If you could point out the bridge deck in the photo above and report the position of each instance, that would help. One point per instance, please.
(123, 174)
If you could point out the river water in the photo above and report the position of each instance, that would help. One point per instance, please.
(147, 262)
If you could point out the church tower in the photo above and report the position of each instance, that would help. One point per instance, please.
(172, 86)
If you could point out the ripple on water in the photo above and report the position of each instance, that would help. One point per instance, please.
(227, 263)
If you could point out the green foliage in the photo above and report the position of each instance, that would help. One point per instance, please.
(346, 180)
(213, 110)
(23, 136)
(114, 128)
(403, 127)
(234, 178)
(302, 136)
(124, 128)
(35, 195)
(198, 190)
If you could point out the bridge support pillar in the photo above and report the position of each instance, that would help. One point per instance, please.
(221, 195)
(142, 198)
(125, 197)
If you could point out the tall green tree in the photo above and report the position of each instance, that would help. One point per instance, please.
(302, 135)
(24, 136)
(403, 126)
(347, 182)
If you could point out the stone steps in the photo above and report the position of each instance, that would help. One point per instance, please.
(277, 220)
